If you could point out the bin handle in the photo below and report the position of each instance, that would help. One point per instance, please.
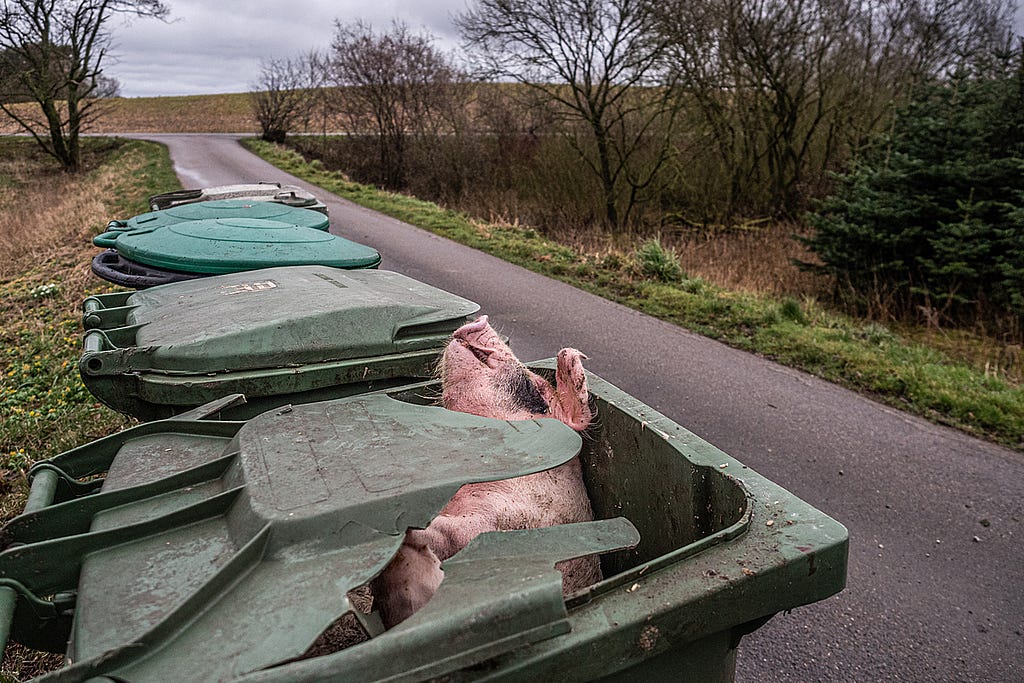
(95, 341)
(91, 305)
(108, 238)
(10, 591)
(44, 487)
(8, 602)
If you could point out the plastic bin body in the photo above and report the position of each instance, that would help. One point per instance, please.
(288, 195)
(720, 550)
(280, 335)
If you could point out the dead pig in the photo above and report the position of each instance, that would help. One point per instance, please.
(481, 375)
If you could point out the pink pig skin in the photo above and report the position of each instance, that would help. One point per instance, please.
(481, 375)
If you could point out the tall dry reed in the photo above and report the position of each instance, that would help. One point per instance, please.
(48, 214)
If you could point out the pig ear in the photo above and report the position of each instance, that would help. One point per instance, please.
(571, 402)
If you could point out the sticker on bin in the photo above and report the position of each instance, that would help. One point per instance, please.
(260, 286)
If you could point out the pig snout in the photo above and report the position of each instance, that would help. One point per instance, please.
(476, 340)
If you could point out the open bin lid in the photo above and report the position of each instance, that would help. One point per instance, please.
(240, 561)
(290, 195)
(229, 245)
(277, 335)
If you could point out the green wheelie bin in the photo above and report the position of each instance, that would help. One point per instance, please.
(196, 549)
(271, 193)
(277, 335)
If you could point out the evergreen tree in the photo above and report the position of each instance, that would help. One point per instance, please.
(934, 216)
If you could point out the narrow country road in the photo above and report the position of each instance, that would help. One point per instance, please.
(936, 573)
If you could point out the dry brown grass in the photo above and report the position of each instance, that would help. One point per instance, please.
(27, 663)
(42, 219)
(49, 210)
(994, 357)
(46, 221)
(187, 114)
(227, 113)
(754, 260)
(757, 260)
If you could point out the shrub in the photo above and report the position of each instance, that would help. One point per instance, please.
(791, 310)
(933, 219)
(658, 263)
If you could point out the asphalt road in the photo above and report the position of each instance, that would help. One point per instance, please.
(936, 572)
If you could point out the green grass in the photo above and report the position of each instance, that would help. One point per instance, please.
(861, 355)
(44, 407)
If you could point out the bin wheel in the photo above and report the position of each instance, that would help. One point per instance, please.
(113, 267)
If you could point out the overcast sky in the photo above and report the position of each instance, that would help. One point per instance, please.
(215, 46)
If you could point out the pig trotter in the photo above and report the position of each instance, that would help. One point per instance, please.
(408, 582)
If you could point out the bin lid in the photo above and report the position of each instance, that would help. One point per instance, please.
(211, 210)
(230, 208)
(276, 317)
(240, 561)
(230, 245)
(291, 195)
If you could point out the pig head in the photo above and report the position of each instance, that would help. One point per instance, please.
(481, 375)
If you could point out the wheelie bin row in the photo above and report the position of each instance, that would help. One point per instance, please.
(233, 228)
(289, 437)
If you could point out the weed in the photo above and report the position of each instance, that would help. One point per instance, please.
(658, 263)
(790, 309)
(693, 285)
(612, 261)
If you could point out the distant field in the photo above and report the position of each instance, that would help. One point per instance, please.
(186, 114)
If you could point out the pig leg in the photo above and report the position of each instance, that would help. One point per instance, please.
(408, 582)
(412, 578)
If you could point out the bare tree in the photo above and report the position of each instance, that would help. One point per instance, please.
(107, 87)
(53, 55)
(788, 88)
(287, 93)
(321, 95)
(393, 84)
(601, 65)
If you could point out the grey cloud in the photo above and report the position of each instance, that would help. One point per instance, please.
(216, 47)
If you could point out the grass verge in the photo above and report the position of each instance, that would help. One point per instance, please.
(864, 356)
(46, 221)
